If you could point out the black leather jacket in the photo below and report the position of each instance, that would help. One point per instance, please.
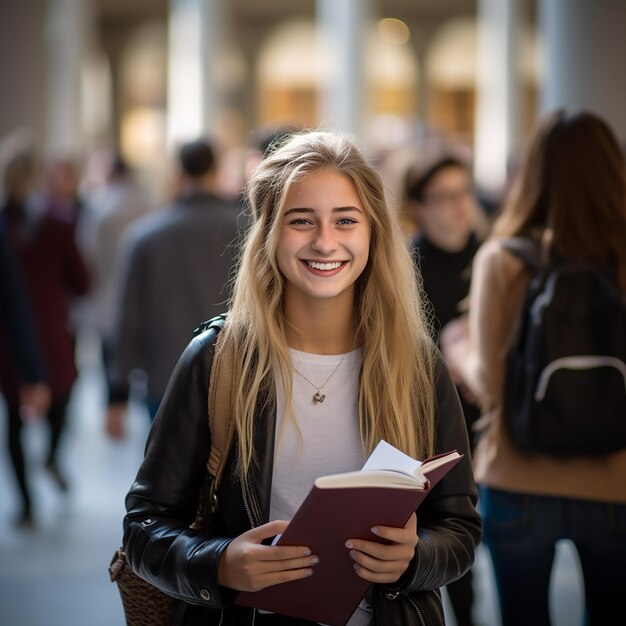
(183, 562)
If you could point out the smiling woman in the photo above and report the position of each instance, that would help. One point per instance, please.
(323, 245)
(325, 295)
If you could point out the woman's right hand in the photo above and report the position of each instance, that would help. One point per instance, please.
(249, 565)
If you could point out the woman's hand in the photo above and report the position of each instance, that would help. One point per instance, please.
(454, 341)
(249, 565)
(385, 563)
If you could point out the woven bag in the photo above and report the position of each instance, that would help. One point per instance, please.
(144, 604)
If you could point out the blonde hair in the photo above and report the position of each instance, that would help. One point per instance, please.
(396, 399)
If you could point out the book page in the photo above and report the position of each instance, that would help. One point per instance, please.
(371, 478)
(387, 457)
(388, 467)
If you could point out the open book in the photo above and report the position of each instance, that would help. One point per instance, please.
(385, 492)
(389, 467)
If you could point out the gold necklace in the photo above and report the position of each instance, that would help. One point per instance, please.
(319, 396)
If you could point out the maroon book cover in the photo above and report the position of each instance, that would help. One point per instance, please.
(324, 521)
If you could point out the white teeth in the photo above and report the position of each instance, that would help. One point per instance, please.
(324, 266)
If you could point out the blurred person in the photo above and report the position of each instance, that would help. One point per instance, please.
(569, 196)
(61, 193)
(19, 336)
(111, 206)
(175, 270)
(54, 273)
(440, 194)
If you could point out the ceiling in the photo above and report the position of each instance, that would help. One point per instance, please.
(278, 9)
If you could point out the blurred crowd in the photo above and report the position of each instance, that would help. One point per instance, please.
(88, 249)
(92, 251)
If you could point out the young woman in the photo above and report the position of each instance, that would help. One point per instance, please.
(332, 356)
(571, 195)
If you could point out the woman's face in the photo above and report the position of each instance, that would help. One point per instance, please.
(324, 240)
(448, 210)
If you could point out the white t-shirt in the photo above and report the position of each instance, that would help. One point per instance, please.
(328, 440)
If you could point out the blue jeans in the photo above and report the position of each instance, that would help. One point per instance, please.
(521, 531)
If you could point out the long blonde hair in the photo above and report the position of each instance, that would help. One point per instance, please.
(396, 399)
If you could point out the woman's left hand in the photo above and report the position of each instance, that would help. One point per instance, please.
(385, 563)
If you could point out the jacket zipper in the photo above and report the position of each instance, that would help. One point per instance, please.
(246, 504)
(419, 612)
(244, 495)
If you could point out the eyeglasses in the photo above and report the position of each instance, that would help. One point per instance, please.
(449, 197)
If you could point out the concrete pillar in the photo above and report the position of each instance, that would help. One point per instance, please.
(196, 36)
(343, 26)
(584, 45)
(421, 109)
(498, 90)
(67, 27)
(22, 67)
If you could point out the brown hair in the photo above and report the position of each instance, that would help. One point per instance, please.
(418, 179)
(572, 188)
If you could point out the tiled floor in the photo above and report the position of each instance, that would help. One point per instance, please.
(56, 575)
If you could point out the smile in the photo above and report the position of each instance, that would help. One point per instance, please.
(324, 267)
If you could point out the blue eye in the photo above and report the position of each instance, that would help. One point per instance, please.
(346, 221)
(299, 222)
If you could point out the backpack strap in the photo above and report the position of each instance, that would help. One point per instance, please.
(527, 250)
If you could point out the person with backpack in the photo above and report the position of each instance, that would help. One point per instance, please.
(329, 354)
(543, 349)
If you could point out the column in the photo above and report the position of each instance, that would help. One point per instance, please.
(423, 86)
(22, 68)
(67, 40)
(497, 95)
(584, 45)
(343, 26)
(196, 36)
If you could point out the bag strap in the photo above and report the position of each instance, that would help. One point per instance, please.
(219, 404)
(527, 250)
(220, 422)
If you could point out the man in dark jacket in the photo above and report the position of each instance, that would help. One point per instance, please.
(174, 275)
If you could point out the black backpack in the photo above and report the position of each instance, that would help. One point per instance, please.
(565, 390)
